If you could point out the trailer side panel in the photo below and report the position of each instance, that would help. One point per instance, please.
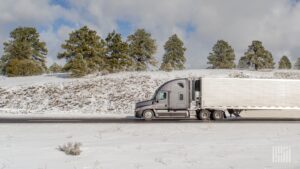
(239, 93)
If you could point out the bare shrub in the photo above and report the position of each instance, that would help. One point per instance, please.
(71, 148)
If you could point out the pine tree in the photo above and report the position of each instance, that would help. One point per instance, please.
(222, 56)
(55, 68)
(78, 66)
(173, 58)
(1, 67)
(25, 45)
(244, 63)
(117, 53)
(142, 49)
(87, 43)
(297, 64)
(284, 63)
(258, 57)
(22, 67)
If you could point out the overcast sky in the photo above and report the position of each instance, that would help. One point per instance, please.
(199, 23)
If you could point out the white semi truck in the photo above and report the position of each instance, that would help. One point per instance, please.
(210, 98)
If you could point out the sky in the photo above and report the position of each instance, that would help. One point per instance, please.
(199, 23)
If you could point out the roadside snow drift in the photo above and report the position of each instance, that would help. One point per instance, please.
(112, 94)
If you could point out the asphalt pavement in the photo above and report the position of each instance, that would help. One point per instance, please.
(134, 120)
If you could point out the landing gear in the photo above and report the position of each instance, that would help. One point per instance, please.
(217, 115)
(236, 112)
(203, 115)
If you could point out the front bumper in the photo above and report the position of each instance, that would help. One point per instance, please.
(138, 113)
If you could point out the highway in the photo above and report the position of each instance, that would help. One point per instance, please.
(141, 121)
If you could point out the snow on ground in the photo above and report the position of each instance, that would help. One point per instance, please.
(228, 144)
(151, 145)
(98, 95)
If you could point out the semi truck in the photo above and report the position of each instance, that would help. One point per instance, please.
(210, 98)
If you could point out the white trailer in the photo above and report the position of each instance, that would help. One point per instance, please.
(241, 93)
(209, 98)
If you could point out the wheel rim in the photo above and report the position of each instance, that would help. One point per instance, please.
(218, 115)
(148, 115)
(204, 115)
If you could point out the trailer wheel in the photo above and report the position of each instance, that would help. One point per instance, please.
(203, 115)
(217, 115)
(148, 115)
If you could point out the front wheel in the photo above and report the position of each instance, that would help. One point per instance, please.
(203, 115)
(148, 115)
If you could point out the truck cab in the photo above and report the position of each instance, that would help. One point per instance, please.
(173, 99)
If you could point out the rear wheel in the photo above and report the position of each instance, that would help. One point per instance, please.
(203, 115)
(148, 115)
(217, 115)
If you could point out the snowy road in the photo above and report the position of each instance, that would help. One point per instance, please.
(231, 144)
(130, 119)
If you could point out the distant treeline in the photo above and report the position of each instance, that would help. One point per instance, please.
(86, 52)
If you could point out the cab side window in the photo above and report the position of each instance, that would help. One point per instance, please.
(162, 95)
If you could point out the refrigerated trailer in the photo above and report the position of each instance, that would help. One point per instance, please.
(209, 98)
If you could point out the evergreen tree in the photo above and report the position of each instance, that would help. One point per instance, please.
(25, 45)
(87, 43)
(284, 63)
(297, 64)
(173, 58)
(243, 63)
(258, 57)
(1, 67)
(117, 53)
(78, 66)
(55, 68)
(142, 49)
(22, 67)
(222, 56)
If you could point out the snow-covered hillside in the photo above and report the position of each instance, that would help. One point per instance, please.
(112, 94)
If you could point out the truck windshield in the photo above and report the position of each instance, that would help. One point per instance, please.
(155, 93)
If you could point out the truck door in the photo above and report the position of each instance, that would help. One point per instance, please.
(162, 104)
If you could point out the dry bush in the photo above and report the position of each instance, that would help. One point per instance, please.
(71, 148)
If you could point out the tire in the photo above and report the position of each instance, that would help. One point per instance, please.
(148, 115)
(217, 115)
(203, 115)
